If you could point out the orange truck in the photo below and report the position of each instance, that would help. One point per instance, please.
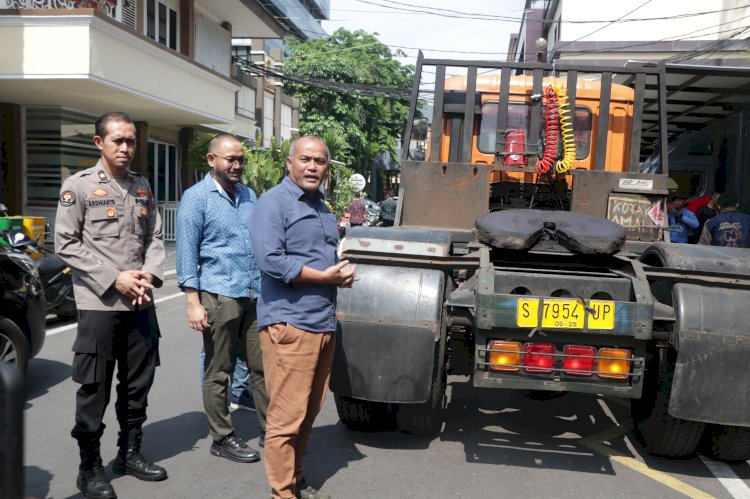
(530, 253)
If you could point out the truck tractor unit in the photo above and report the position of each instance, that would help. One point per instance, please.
(530, 253)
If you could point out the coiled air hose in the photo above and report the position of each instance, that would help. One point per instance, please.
(551, 128)
(566, 130)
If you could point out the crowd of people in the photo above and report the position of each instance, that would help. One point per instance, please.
(714, 220)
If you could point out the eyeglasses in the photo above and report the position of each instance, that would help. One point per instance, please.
(240, 160)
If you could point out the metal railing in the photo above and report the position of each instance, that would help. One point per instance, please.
(168, 212)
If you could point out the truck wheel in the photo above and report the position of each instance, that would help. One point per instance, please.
(727, 443)
(661, 433)
(360, 415)
(426, 418)
(14, 349)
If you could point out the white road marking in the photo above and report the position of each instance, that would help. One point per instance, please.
(736, 487)
(68, 327)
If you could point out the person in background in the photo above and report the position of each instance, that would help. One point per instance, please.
(217, 271)
(108, 231)
(388, 210)
(681, 220)
(730, 227)
(704, 213)
(294, 238)
(356, 210)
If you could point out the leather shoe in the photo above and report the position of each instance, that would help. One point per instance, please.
(94, 484)
(235, 449)
(138, 466)
(307, 491)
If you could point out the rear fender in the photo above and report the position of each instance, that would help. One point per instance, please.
(711, 336)
(389, 321)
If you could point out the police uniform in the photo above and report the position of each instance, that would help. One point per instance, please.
(105, 226)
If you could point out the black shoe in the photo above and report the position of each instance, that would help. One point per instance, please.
(138, 466)
(307, 491)
(94, 484)
(235, 449)
(130, 461)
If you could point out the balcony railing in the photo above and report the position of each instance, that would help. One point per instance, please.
(110, 8)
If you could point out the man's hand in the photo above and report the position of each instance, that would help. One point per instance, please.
(335, 275)
(341, 277)
(197, 317)
(134, 284)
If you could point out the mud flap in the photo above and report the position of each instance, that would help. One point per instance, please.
(711, 371)
(388, 325)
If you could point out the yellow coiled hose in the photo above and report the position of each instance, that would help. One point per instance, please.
(566, 131)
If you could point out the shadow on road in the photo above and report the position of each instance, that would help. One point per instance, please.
(42, 375)
(173, 436)
(41, 482)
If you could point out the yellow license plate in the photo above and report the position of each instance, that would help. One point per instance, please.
(565, 314)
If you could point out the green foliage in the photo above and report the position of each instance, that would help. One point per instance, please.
(365, 124)
(264, 169)
(343, 192)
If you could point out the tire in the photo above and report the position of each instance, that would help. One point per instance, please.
(14, 348)
(360, 415)
(426, 418)
(726, 443)
(661, 433)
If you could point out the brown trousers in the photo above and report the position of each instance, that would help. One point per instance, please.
(298, 368)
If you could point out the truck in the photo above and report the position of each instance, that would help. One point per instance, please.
(531, 253)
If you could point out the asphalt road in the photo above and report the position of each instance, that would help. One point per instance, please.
(493, 443)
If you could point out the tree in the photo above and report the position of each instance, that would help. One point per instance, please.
(349, 84)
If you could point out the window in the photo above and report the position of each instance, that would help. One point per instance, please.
(58, 144)
(162, 23)
(164, 171)
(519, 116)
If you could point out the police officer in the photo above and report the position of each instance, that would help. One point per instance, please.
(108, 231)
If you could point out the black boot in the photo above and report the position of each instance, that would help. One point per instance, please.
(91, 479)
(130, 461)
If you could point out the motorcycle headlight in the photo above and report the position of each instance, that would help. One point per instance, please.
(25, 262)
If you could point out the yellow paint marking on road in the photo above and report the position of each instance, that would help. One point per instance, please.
(596, 443)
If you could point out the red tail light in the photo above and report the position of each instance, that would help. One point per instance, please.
(534, 359)
(584, 360)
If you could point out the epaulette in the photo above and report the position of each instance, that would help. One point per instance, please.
(82, 173)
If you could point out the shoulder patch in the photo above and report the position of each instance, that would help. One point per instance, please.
(141, 193)
(67, 198)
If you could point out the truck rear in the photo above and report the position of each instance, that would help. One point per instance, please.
(530, 254)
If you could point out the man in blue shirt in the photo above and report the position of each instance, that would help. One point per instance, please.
(730, 227)
(294, 238)
(217, 271)
(681, 220)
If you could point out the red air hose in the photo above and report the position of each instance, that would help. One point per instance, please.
(551, 132)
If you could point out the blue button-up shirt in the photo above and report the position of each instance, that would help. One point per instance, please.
(289, 230)
(213, 244)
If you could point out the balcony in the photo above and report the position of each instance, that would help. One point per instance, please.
(85, 58)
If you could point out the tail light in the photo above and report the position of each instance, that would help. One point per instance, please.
(616, 365)
(537, 358)
(581, 360)
(508, 358)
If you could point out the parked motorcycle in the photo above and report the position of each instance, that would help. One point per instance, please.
(53, 272)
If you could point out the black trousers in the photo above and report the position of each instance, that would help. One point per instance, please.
(129, 340)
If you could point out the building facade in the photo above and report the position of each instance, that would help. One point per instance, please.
(167, 63)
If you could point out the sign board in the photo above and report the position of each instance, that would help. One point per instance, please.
(357, 182)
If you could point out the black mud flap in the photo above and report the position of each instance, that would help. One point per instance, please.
(388, 325)
(712, 370)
